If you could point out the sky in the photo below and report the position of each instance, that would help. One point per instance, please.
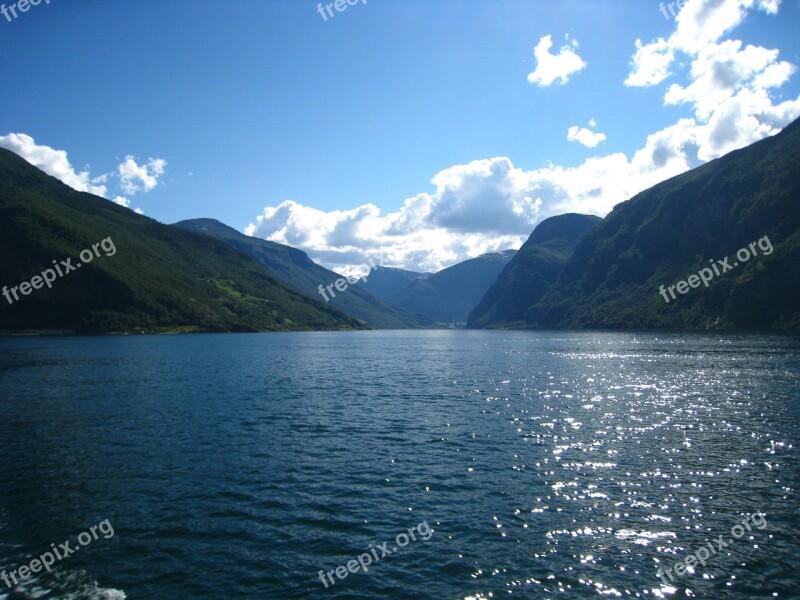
(422, 131)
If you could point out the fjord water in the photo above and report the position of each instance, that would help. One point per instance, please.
(548, 464)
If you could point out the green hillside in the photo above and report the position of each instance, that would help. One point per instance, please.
(160, 278)
(673, 230)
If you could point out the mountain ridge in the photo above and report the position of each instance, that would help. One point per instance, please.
(531, 272)
(160, 278)
(672, 230)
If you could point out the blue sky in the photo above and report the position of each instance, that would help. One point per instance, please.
(409, 127)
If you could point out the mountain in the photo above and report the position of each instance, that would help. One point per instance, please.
(732, 224)
(530, 274)
(386, 282)
(297, 270)
(449, 295)
(142, 276)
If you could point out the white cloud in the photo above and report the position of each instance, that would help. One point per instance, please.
(133, 178)
(491, 204)
(123, 201)
(722, 70)
(484, 196)
(53, 162)
(136, 178)
(700, 25)
(650, 63)
(480, 207)
(483, 206)
(550, 67)
(728, 84)
(585, 136)
(704, 22)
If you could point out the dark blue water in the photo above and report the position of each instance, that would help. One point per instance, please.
(546, 465)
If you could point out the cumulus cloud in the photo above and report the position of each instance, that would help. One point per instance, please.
(700, 26)
(488, 196)
(728, 85)
(586, 136)
(550, 67)
(722, 70)
(132, 177)
(650, 63)
(483, 206)
(704, 22)
(492, 204)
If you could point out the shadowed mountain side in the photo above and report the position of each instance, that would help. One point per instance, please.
(449, 295)
(529, 275)
(670, 232)
(297, 270)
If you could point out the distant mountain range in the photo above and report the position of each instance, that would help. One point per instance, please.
(639, 268)
(296, 269)
(391, 298)
(666, 236)
(449, 295)
(386, 282)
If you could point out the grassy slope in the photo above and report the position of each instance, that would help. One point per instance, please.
(160, 277)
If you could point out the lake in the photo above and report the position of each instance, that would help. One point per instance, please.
(464, 464)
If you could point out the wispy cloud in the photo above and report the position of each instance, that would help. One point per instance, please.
(729, 83)
(134, 178)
